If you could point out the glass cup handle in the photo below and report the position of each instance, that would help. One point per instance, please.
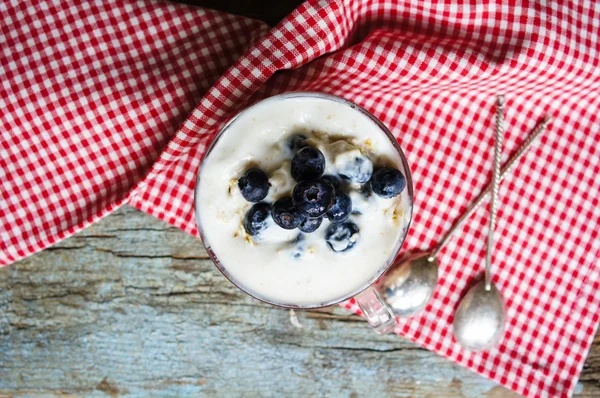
(378, 313)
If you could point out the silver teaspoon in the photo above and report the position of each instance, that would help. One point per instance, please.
(480, 318)
(410, 283)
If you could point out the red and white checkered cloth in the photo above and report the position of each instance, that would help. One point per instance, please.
(115, 101)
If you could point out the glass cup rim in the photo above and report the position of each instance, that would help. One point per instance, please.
(409, 188)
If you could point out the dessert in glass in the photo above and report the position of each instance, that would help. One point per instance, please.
(303, 200)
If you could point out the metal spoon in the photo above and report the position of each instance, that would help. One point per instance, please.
(480, 318)
(410, 283)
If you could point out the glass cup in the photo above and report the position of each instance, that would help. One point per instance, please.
(377, 312)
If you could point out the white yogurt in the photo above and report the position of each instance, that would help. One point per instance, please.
(268, 268)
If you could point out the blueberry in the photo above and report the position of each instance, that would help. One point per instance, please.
(285, 214)
(341, 237)
(313, 198)
(341, 208)
(296, 142)
(335, 181)
(255, 220)
(308, 164)
(254, 185)
(387, 182)
(359, 170)
(309, 225)
(299, 246)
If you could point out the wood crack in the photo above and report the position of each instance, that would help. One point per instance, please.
(65, 248)
(142, 229)
(50, 297)
(153, 256)
(356, 349)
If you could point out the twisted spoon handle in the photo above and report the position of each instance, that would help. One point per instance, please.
(499, 138)
(537, 131)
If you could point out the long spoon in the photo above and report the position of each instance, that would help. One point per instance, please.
(480, 318)
(409, 285)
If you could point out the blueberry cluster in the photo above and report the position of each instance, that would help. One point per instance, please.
(315, 195)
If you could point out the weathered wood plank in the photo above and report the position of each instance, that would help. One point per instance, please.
(133, 307)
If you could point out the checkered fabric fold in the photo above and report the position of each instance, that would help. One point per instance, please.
(114, 102)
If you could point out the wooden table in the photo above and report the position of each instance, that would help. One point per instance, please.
(133, 307)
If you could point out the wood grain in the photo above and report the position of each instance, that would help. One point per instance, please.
(133, 307)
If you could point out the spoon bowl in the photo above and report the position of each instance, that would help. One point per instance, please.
(410, 283)
(480, 318)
